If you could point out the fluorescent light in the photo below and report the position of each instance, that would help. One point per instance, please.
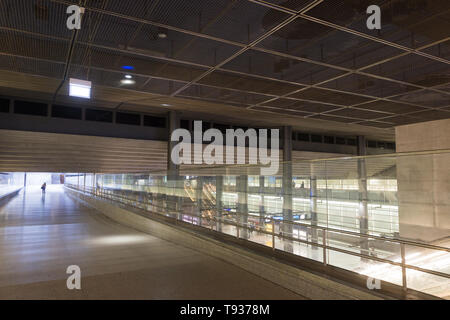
(127, 81)
(80, 88)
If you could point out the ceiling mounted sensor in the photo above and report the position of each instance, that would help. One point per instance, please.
(303, 29)
(80, 88)
(162, 33)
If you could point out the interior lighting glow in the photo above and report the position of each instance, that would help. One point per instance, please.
(80, 88)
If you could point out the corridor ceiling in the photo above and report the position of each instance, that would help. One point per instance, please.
(309, 63)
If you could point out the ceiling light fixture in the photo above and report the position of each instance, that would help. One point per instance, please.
(166, 105)
(80, 88)
(127, 81)
(128, 76)
(128, 67)
(162, 33)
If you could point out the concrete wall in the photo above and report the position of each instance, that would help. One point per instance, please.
(424, 180)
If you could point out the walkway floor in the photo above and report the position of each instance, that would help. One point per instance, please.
(40, 236)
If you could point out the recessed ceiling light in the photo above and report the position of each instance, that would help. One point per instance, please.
(162, 33)
(80, 88)
(127, 81)
(166, 105)
(128, 76)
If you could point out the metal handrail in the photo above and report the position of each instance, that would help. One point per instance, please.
(325, 230)
(395, 240)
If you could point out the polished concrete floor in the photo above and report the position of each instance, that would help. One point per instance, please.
(41, 235)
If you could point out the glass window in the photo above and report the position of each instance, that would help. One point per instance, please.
(253, 181)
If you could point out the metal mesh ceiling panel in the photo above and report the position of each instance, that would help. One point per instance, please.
(272, 66)
(301, 58)
(425, 98)
(217, 94)
(309, 40)
(414, 69)
(411, 23)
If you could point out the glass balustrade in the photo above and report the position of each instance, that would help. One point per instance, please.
(385, 217)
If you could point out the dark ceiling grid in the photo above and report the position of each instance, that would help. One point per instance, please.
(363, 68)
(426, 98)
(202, 45)
(302, 88)
(392, 98)
(110, 13)
(70, 51)
(247, 47)
(442, 49)
(410, 23)
(89, 34)
(359, 71)
(348, 30)
(416, 70)
(358, 33)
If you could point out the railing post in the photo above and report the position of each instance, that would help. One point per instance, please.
(324, 236)
(402, 250)
(273, 235)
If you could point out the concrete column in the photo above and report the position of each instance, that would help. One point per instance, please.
(242, 207)
(313, 205)
(424, 180)
(173, 170)
(199, 197)
(363, 196)
(287, 186)
(174, 181)
(262, 209)
(219, 201)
